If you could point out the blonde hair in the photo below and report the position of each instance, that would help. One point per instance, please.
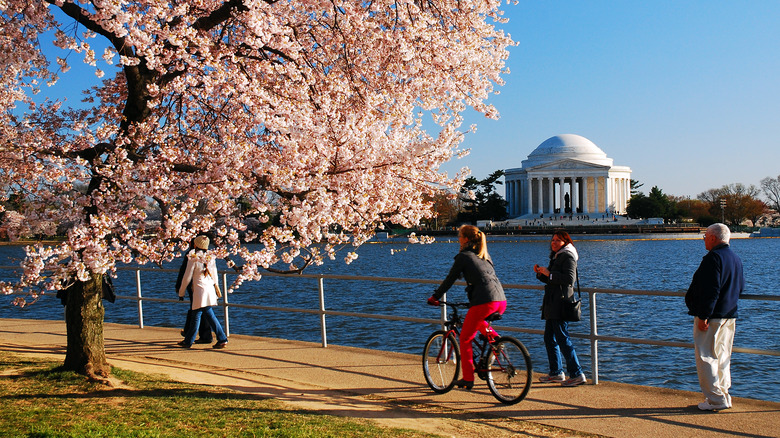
(476, 240)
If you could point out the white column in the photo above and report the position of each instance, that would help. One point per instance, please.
(575, 195)
(585, 209)
(596, 206)
(519, 197)
(608, 195)
(511, 199)
(508, 196)
(616, 194)
(561, 187)
(540, 195)
(529, 206)
(622, 195)
(551, 194)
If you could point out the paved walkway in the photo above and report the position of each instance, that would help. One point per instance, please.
(389, 387)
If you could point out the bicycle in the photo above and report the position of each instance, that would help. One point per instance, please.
(502, 361)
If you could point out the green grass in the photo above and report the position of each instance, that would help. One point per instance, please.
(39, 401)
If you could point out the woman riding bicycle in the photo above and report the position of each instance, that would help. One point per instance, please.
(485, 293)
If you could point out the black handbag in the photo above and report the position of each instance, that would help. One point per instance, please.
(572, 310)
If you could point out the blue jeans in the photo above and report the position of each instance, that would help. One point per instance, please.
(204, 332)
(208, 314)
(557, 341)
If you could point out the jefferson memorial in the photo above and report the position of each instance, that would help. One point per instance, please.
(567, 174)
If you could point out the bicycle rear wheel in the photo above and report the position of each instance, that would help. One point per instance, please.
(441, 361)
(509, 370)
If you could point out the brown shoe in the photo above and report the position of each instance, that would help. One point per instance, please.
(220, 345)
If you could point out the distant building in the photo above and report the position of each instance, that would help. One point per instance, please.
(566, 174)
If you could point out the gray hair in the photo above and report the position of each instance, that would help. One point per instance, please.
(720, 231)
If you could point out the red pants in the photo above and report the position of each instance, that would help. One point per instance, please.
(475, 320)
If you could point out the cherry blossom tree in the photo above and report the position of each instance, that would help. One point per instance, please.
(309, 115)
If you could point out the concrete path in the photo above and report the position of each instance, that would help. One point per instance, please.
(389, 387)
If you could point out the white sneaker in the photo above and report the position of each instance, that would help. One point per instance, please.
(552, 379)
(574, 381)
(706, 406)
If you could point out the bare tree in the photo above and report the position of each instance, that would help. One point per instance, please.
(771, 188)
(733, 203)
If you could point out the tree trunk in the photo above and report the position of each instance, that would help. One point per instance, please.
(84, 313)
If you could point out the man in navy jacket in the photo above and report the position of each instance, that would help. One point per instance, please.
(712, 300)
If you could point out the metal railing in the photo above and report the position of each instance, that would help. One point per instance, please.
(592, 336)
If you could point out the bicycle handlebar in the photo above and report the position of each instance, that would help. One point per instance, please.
(455, 305)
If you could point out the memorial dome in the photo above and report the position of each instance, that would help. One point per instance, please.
(567, 146)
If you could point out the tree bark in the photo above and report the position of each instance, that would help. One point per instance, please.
(84, 313)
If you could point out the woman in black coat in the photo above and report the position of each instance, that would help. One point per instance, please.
(558, 279)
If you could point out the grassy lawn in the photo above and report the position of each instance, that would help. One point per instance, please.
(40, 401)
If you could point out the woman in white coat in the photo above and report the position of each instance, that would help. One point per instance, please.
(202, 273)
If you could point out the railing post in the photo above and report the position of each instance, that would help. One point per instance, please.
(140, 299)
(225, 304)
(322, 313)
(594, 342)
(443, 311)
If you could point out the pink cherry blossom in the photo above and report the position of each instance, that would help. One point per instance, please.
(289, 130)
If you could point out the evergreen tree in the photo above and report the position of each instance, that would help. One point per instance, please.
(481, 201)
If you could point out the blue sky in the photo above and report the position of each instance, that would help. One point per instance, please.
(686, 93)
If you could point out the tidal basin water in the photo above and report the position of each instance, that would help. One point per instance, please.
(609, 262)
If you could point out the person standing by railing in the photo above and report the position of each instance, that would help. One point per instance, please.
(202, 273)
(484, 290)
(712, 300)
(204, 332)
(558, 279)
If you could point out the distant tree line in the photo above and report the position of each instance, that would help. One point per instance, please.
(732, 204)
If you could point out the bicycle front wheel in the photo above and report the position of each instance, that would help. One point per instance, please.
(509, 370)
(441, 361)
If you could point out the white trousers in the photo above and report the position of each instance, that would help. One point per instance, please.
(713, 358)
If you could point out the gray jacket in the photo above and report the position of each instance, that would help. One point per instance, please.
(483, 284)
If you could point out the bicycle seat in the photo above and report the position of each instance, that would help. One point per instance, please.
(495, 316)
